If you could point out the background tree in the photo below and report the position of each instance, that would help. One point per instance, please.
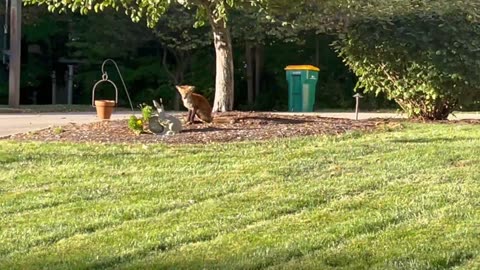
(180, 41)
(213, 11)
(41, 44)
(254, 30)
(113, 36)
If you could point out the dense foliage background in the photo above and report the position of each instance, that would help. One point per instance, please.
(418, 55)
(174, 52)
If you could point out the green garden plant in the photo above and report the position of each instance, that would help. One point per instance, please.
(147, 111)
(427, 60)
(135, 125)
(58, 130)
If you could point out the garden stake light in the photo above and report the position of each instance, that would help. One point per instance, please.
(357, 97)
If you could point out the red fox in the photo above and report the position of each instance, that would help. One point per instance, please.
(195, 103)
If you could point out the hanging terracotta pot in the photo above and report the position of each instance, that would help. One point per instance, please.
(104, 107)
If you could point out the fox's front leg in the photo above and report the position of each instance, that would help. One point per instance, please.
(189, 117)
(194, 112)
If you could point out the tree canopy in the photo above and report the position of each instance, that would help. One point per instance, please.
(213, 11)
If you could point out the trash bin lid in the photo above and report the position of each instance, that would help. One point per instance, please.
(302, 67)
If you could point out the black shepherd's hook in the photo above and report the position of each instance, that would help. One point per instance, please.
(105, 77)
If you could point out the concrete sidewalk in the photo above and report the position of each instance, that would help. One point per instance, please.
(13, 123)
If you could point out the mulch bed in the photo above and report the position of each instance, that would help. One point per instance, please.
(241, 126)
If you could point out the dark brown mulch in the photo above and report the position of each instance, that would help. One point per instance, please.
(242, 127)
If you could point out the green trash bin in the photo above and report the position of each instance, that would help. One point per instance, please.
(302, 81)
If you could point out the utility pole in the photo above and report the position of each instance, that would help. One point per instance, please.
(15, 52)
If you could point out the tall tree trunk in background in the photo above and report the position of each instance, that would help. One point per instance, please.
(177, 75)
(258, 68)
(249, 62)
(317, 51)
(224, 81)
(177, 100)
(183, 60)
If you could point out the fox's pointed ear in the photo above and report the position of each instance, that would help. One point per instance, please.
(178, 87)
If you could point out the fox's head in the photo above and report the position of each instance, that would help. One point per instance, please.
(184, 90)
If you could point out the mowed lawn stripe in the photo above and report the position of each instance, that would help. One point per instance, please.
(393, 209)
(76, 222)
(380, 181)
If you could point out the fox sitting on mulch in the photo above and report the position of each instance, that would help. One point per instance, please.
(198, 105)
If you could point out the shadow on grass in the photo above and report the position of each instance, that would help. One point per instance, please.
(5, 159)
(73, 157)
(434, 140)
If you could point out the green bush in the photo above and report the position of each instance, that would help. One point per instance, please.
(428, 60)
(147, 112)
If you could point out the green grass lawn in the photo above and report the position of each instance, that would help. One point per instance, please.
(406, 199)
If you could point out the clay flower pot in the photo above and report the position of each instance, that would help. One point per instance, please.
(104, 108)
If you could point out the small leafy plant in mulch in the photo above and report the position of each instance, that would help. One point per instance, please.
(136, 125)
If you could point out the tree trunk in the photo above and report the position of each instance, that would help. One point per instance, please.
(258, 68)
(176, 102)
(224, 83)
(317, 51)
(181, 59)
(177, 99)
(249, 62)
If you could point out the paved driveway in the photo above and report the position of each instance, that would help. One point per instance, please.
(12, 123)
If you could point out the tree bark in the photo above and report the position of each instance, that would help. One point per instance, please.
(182, 59)
(176, 100)
(258, 68)
(249, 62)
(224, 81)
(15, 53)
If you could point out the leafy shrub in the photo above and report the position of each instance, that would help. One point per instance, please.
(147, 111)
(425, 60)
(135, 125)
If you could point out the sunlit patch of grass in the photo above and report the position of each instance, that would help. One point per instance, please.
(404, 199)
